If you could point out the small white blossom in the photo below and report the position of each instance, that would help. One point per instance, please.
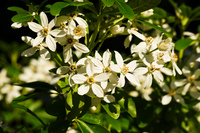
(147, 13)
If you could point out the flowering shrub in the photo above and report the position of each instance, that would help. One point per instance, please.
(97, 90)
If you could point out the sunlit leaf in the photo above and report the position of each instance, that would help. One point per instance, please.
(114, 123)
(108, 3)
(57, 7)
(183, 43)
(112, 109)
(21, 18)
(15, 8)
(90, 118)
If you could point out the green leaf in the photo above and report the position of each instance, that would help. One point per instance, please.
(90, 118)
(80, 3)
(155, 27)
(57, 7)
(159, 13)
(17, 9)
(126, 102)
(183, 43)
(38, 85)
(125, 9)
(69, 99)
(108, 3)
(112, 109)
(114, 123)
(21, 18)
(143, 5)
(87, 128)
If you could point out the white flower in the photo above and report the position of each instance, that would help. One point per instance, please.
(174, 59)
(125, 70)
(45, 31)
(90, 80)
(194, 37)
(3, 77)
(69, 41)
(147, 13)
(172, 92)
(117, 29)
(11, 92)
(44, 53)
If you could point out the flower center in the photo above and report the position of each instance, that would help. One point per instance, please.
(62, 25)
(172, 92)
(90, 80)
(175, 58)
(107, 69)
(72, 67)
(191, 79)
(77, 31)
(160, 56)
(125, 70)
(70, 40)
(152, 68)
(45, 31)
(149, 40)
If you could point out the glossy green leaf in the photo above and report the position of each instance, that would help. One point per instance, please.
(183, 43)
(90, 118)
(112, 109)
(108, 3)
(88, 128)
(126, 102)
(143, 5)
(114, 123)
(69, 99)
(38, 85)
(17, 9)
(156, 27)
(21, 18)
(125, 9)
(57, 7)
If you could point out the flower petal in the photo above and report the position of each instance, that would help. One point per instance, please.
(51, 43)
(109, 98)
(179, 99)
(79, 79)
(83, 89)
(44, 53)
(127, 41)
(97, 90)
(38, 40)
(34, 26)
(121, 81)
(133, 79)
(106, 58)
(58, 33)
(81, 21)
(67, 53)
(132, 65)
(44, 19)
(80, 47)
(62, 70)
(166, 99)
(101, 77)
(119, 59)
(29, 52)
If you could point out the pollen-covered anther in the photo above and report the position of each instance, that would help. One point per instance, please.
(152, 68)
(160, 55)
(172, 92)
(90, 80)
(72, 67)
(191, 79)
(125, 70)
(45, 31)
(149, 40)
(62, 25)
(175, 57)
(107, 69)
(77, 31)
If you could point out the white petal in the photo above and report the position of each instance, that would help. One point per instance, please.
(177, 68)
(163, 86)
(132, 65)
(195, 94)
(79, 79)
(119, 59)
(67, 53)
(197, 74)
(37, 40)
(97, 55)
(44, 19)
(186, 88)
(62, 70)
(97, 90)
(140, 71)
(29, 52)
(34, 26)
(102, 77)
(16, 25)
(166, 71)
(197, 84)
(158, 76)
(166, 99)
(186, 71)
(179, 99)
(115, 68)
(90, 69)
(139, 48)
(52, 23)
(81, 21)
(83, 89)
(133, 79)
(27, 39)
(121, 81)
(109, 98)
(58, 33)
(44, 53)
(148, 81)
(106, 58)
(51, 43)
(80, 47)
(139, 35)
